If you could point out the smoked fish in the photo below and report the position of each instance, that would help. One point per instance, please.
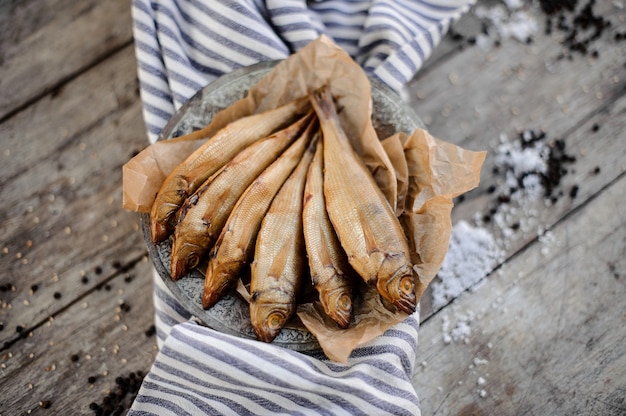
(363, 219)
(210, 157)
(235, 245)
(204, 213)
(331, 274)
(279, 267)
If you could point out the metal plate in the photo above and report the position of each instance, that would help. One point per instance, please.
(231, 314)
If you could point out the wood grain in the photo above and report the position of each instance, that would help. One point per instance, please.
(548, 332)
(61, 217)
(101, 335)
(50, 42)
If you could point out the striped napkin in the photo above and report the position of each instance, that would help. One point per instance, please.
(183, 45)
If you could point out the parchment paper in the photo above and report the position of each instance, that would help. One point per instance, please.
(420, 175)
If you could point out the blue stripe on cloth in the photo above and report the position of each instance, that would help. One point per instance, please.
(153, 130)
(162, 404)
(207, 374)
(250, 375)
(157, 111)
(295, 363)
(164, 295)
(261, 397)
(173, 75)
(271, 41)
(379, 363)
(210, 58)
(200, 397)
(342, 8)
(152, 70)
(159, 93)
(179, 16)
(200, 406)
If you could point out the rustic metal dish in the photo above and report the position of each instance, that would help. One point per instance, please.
(231, 314)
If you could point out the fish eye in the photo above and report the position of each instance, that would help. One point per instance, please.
(275, 320)
(406, 285)
(344, 302)
(193, 260)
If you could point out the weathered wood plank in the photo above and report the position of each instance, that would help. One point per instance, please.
(60, 216)
(472, 97)
(49, 42)
(548, 327)
(104, 335)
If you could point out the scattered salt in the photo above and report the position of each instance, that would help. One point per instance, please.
(461, 330)
(509, 21)
(480, 381)
(547, 240)
(472, 253)
(522, 159)
(479, 361)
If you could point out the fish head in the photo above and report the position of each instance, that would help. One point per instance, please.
(268, 319)
(185, 256)
(161, 229)
(399, 288)
(218, 280)
(338, 305)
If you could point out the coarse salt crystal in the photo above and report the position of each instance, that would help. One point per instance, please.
(479, 361)
(472, 252)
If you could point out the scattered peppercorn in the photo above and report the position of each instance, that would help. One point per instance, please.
(8, 287)
(85, 280)
(91, 379)
(595, 127)
(150, 331)
(19, 329)
(98, 270)
(34, 287)
(573, 192)
(74, 357)
(114, 403)
(45, 404)
(57, 295)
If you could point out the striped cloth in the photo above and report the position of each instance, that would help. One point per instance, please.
(183, 45)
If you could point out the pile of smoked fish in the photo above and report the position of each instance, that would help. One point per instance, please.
(283, 193)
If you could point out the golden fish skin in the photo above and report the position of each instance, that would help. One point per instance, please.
(235, 245)
(366, 226)
(210, 157)
(278, 270)
(204, 213)
(330, 272)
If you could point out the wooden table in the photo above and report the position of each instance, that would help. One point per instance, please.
(542, 332)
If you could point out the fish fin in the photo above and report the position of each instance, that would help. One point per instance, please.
(371, 245)
(278, 264)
